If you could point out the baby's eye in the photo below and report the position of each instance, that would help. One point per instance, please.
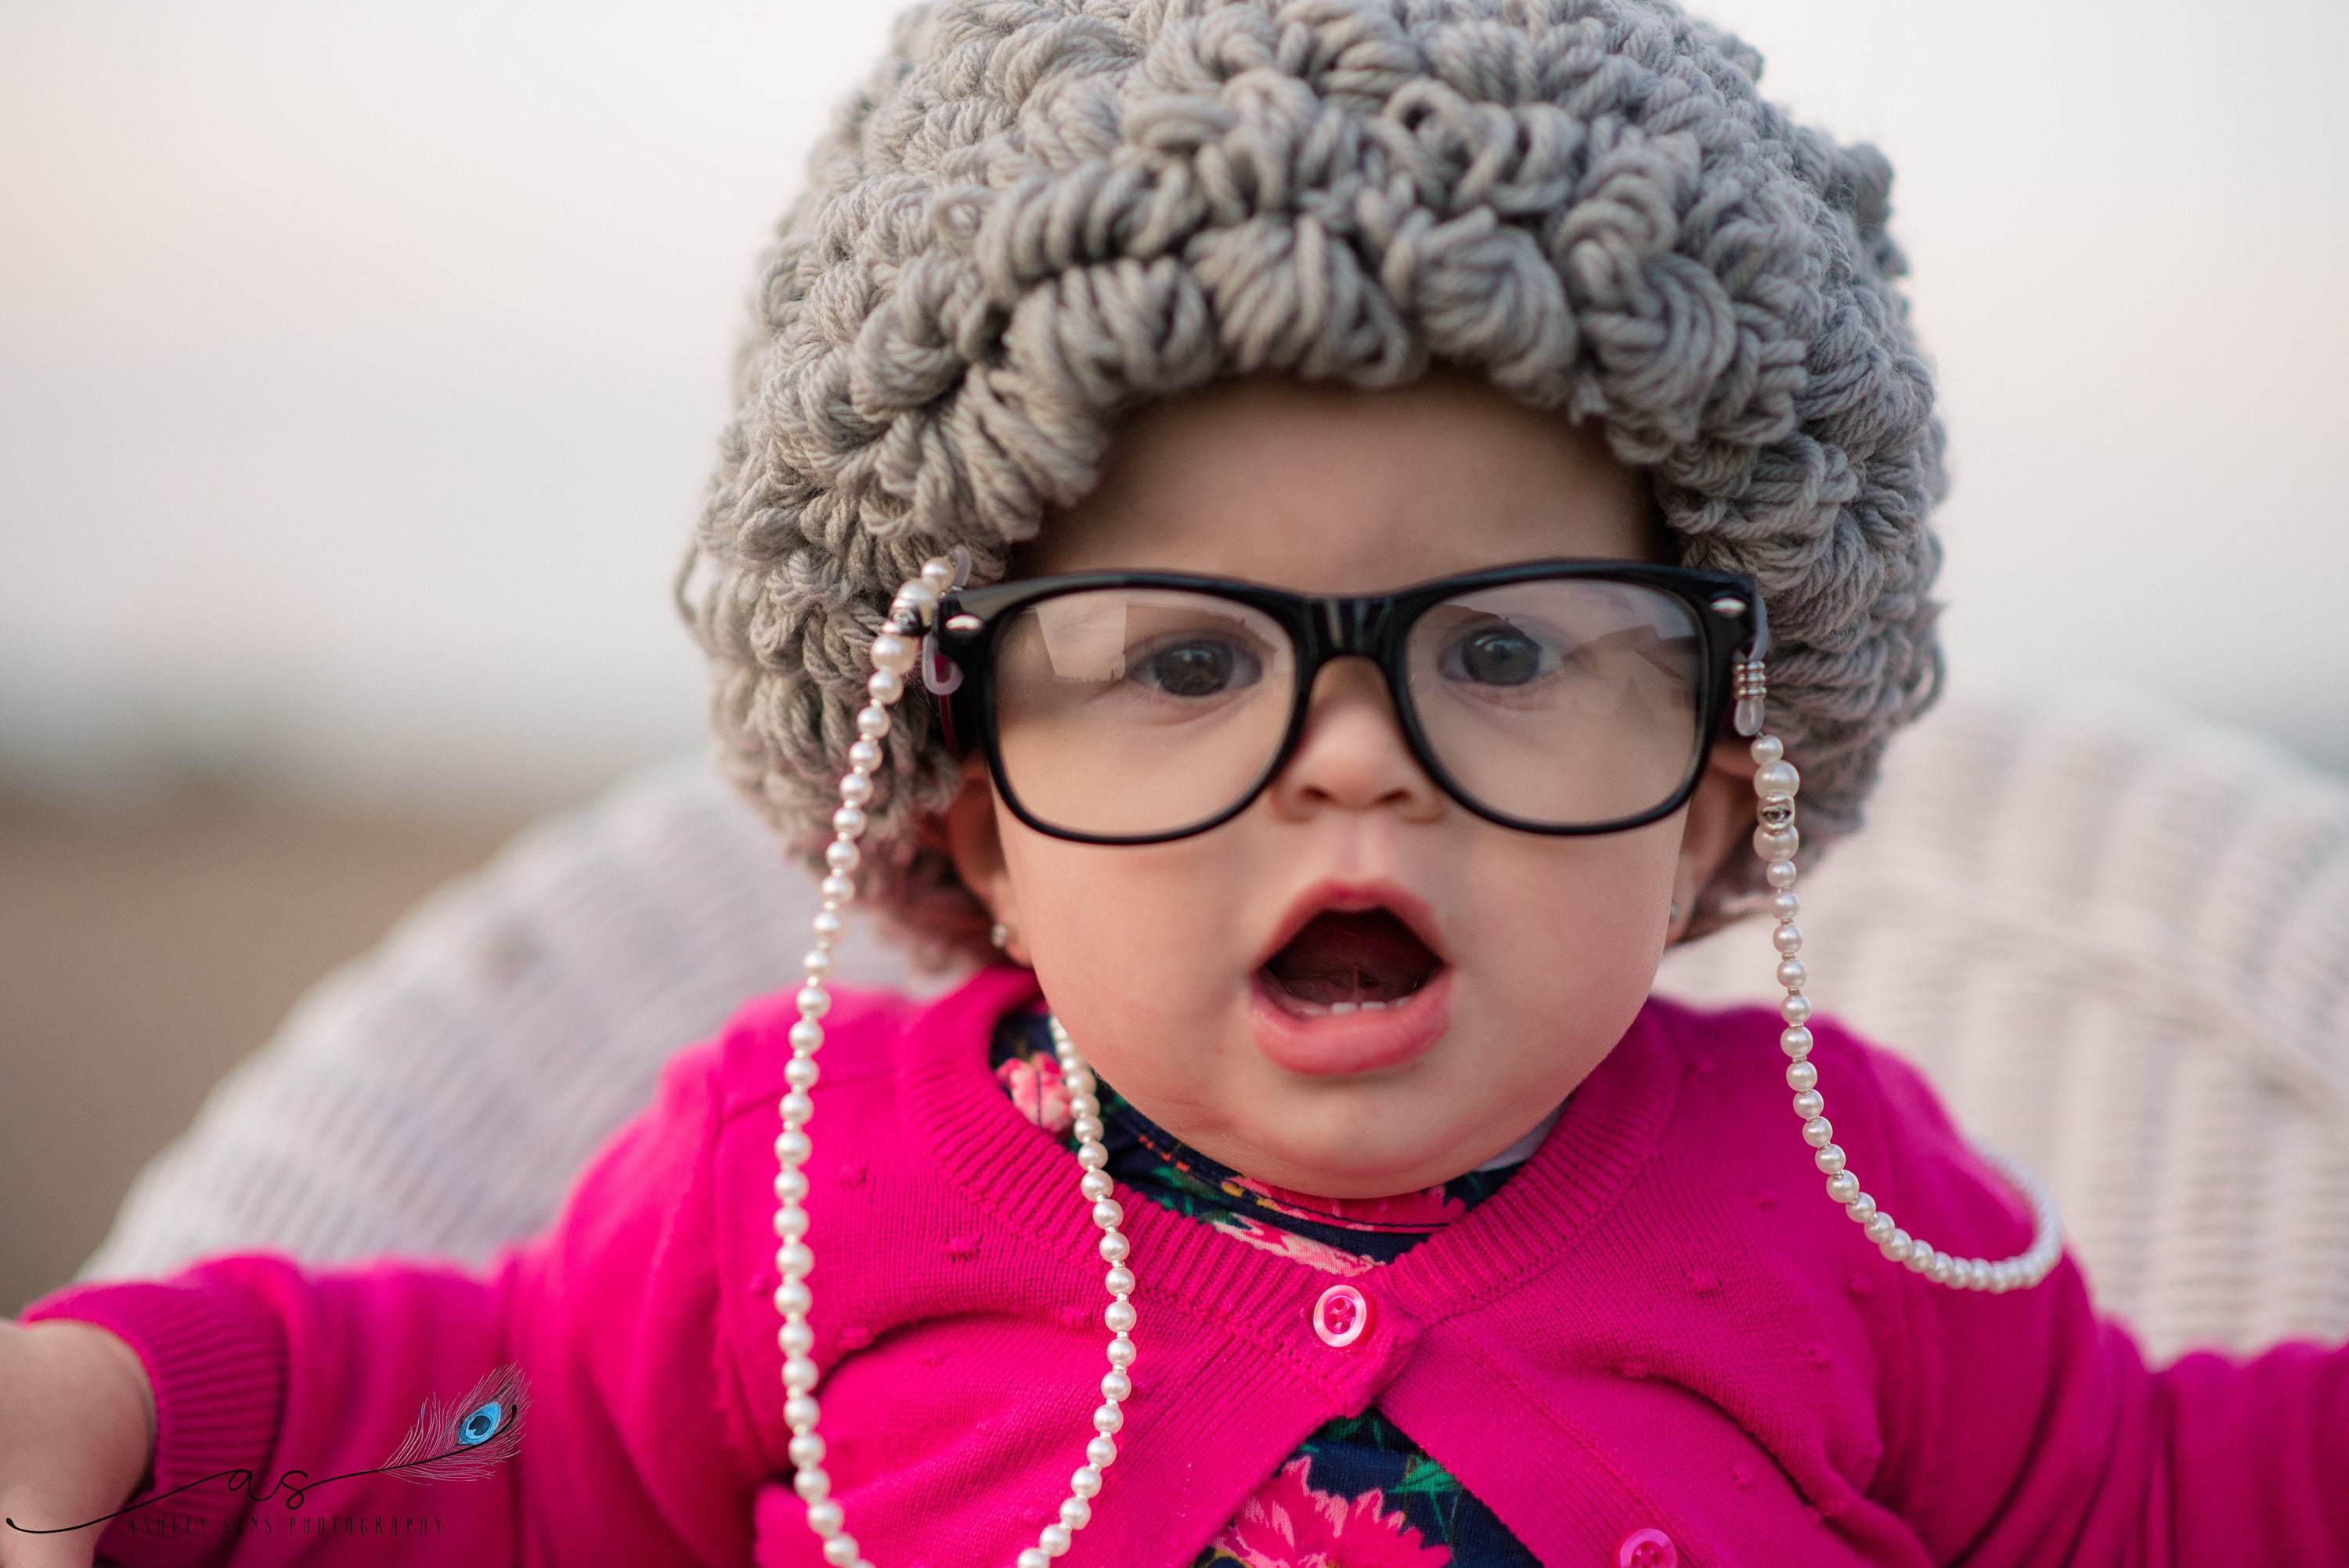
(1197, 667)
(1496, 655)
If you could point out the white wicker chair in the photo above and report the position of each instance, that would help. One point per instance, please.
(2118, 938)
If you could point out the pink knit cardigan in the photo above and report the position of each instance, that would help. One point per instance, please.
(1659, 1323)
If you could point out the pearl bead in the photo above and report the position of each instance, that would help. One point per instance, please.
(1102, 1451)
(1119, 1280)
(807, 1448)
(800, 1413)
(800, 1072)
(1786, 939)
(865, 755)
(1120, 1351)
(1053, 1539)
(1086, 1128)
(793, 1298)
(1809, 1103)
(791, 1222)
(1119, 1315)
(856, 787)
(1032, 1557)
(1801, 1075)
(799, 1374)
(1092, 1157)
(1113, 1247)
(836, 889)
(1108, 1418)
(893, 652)
(1776, 778)
(885, 685)
(797, 1108)
(790, 1186)
(812, 1484)
(1861, 1209)
(1779, 873)
(1843, 1187)
(841, 1550)
(1898, 1246)
(849, 822)
(793, 1259)
(792, 1146)
(1818, 1132)
(1086, 1483)
(938, 574)
(841, 856)
(1108, 1213)
(1879, 1228)
(873, 723)
(829, 928)
(1076, 1512)
(1828, 1160)
(1791, 973)
(1777, 843)
(1116, 1386)
(1767, 749)
(1096, 1184)
(797, 1338)
(824, 1518)
(1795, 1009)
(1784, 905)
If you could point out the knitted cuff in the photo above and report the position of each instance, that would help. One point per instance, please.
(214, 1355)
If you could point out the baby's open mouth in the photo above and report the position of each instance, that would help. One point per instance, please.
(1353, 961)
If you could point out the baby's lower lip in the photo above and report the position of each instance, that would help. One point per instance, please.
(1336, 1043)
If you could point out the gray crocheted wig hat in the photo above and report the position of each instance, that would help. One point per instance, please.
(1036, 215)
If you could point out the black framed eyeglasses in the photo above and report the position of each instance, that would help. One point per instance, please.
(1552, 696)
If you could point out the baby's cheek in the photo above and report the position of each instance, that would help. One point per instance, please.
(1129, 945)
(1571, 927)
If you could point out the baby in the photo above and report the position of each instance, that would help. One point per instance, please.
(1315, 538)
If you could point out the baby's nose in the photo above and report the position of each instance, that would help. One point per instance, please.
(1353, 754)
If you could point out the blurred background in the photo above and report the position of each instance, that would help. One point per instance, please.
(360, 370)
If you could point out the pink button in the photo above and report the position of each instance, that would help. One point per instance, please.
(1646, 1548)
(1340, 1316)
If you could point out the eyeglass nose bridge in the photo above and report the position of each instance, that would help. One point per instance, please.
(1343, 626)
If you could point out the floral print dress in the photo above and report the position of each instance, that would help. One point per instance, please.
(1358, 1492)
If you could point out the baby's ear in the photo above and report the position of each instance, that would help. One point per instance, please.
(1719, 816)
(974, 840)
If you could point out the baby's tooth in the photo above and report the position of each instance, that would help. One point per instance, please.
(1342, 1008)
(1375, 1007)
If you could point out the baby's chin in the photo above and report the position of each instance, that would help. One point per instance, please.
(1304, 1137)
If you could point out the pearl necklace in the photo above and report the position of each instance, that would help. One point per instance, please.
(894, 652)
(1776, 840)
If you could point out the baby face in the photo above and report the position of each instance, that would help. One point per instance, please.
(1211, 979)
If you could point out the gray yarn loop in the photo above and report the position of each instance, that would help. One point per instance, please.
(1034, 216)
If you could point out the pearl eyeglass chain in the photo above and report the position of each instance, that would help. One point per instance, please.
(894, 653)
(1776, 839)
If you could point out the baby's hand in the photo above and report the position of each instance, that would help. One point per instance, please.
(77, 1431)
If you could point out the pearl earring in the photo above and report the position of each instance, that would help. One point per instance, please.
(1672, 913)
(893, 653)
(1776, 839)
(999, 935)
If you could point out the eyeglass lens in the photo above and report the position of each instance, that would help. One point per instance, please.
(1134, 712)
